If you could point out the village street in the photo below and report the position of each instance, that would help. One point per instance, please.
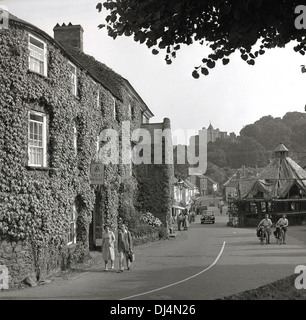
(204, 262)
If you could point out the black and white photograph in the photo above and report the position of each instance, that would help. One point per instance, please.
(152, 151)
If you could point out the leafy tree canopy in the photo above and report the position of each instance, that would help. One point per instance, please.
(225, 26)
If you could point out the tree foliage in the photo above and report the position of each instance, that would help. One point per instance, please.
(234, 153)
(269, 131)
(224, 26)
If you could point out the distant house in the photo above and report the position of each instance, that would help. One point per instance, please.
(212, 135)
(191, 191)
(232, 184)
(205, 185)
(184, 194)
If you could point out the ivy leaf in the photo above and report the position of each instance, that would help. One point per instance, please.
(154, 51)
(100, 26)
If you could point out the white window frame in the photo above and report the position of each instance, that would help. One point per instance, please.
(72, 224)
(98, 98)
(35, 55)
(98, 145)
(114, 109)
(43, 146)
(75, 139)
(73, 79)
(144, 119)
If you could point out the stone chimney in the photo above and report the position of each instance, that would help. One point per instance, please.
(70, 35)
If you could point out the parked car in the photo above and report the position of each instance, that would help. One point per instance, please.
(208, 217)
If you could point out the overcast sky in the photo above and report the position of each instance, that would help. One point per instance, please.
(230, 97)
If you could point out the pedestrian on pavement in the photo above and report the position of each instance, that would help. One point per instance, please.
(130, 249)
(108, 248)
(186, 220)
(180, 220)
(123, 248)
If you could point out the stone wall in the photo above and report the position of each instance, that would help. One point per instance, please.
(17, 257)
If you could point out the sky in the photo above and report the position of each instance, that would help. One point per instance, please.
(231, 97)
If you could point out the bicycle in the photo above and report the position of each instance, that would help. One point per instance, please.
(280, 236)
(263, 235)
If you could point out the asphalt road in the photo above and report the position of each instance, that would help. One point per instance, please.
(203, 263)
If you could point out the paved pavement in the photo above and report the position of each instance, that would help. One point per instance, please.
(204, 262)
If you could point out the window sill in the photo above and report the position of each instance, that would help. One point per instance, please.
(32, 168)
(42, 76)
(71, 245)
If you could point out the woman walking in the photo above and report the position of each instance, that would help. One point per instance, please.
(108, 250)
(124, 246)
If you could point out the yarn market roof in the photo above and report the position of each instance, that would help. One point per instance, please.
(277, 178)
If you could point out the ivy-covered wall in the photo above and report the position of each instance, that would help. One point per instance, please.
(36, 203)
(155, 181)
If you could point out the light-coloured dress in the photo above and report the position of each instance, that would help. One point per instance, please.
(108, 250)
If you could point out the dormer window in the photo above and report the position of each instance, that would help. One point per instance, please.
(73, 78)
(38, 55)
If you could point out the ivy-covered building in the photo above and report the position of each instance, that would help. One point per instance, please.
(55, 102)
(156, 174)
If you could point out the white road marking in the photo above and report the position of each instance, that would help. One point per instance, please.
(181, 281)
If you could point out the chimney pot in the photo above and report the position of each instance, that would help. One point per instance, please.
(70, 35)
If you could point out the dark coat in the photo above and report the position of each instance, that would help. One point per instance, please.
(124, 241)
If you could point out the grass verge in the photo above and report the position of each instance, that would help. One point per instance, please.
(283, 289)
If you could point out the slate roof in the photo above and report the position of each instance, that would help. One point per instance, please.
(189, 184)
(246, 173)
(110, 79)
(281, 148)
(276, 179)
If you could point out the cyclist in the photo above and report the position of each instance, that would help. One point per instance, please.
(282, 223)
(267, 224)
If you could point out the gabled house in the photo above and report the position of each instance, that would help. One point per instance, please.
(232, 184)
(205, 184)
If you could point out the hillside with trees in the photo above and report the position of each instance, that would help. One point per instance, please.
(257, 142)
(255, 145)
